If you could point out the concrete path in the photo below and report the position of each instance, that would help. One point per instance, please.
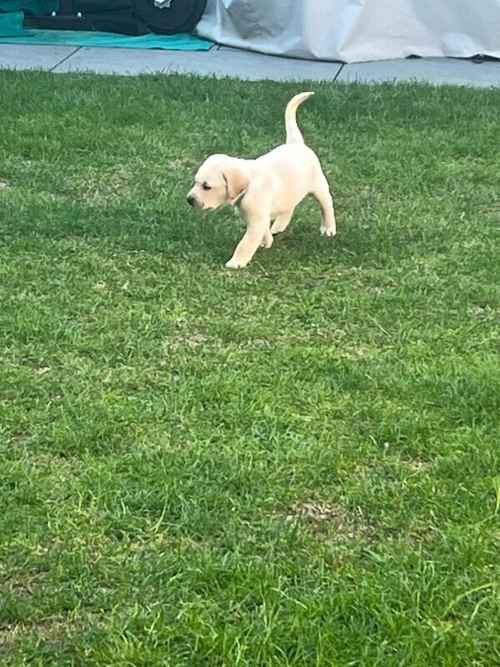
(223, 61)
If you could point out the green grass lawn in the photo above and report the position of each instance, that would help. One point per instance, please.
(292, 464)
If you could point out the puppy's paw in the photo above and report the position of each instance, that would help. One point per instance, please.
(267, 241)
(234, 264)
(327, 231)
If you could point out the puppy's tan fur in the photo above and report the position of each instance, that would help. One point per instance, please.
(267, 189)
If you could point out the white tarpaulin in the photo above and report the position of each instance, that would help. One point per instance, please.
(356, 30)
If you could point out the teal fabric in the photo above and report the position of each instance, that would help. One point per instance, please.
(29, 6)
(11, 25)
(180, 42)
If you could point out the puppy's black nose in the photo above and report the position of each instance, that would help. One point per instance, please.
(190, 200)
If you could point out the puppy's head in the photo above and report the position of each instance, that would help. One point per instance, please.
(219, 180)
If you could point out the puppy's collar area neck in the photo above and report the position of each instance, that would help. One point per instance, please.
(239, 198)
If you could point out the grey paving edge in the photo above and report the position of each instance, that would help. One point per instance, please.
(438, 71)
(223, 61)
(219, 62)
(27, 57)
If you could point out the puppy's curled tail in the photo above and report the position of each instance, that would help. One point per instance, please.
(293, 134)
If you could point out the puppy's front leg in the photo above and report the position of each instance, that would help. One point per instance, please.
(257, 230)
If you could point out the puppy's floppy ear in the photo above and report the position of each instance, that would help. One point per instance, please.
(237, 182)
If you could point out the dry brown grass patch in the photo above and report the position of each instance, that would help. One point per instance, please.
(330, 520)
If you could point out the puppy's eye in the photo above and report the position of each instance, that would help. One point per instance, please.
(205, 186)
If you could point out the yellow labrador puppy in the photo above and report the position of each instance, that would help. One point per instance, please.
(267, 189)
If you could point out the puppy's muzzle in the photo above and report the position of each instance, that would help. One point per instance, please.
(191, 200)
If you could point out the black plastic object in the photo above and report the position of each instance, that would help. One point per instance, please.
(173, 16)
(93, 15)
(128, 17)
(123, 23)
(98, 6)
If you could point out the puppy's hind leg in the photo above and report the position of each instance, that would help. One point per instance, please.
(281, 222)
(322, 194)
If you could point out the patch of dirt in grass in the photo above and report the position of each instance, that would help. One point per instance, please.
(8, 635)
(22, 586)
(51, 630)
(104, 187)
(330, 520)
(356, 352)
(181, 164)
(419, 535)
(262, 343)
(417, 466)
(484, 312)
(194, 340)
(4, 184)
(185, 341)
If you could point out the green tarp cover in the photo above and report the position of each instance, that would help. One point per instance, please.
(11, 24)
(180, 42)
(29, 6)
